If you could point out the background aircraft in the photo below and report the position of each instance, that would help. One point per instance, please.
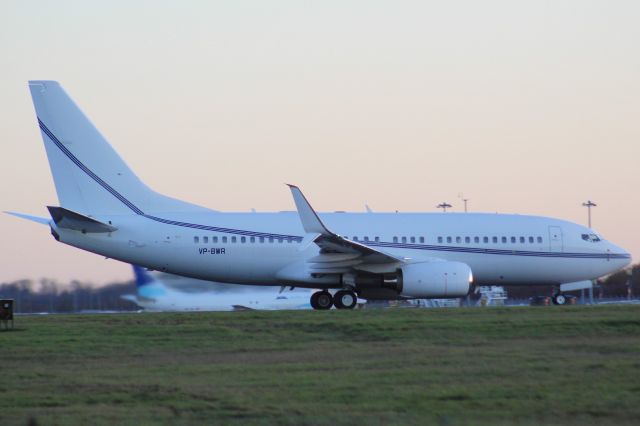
(166, 292)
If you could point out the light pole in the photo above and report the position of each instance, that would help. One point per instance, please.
(444, 206)
(588, 205)
(464, 200)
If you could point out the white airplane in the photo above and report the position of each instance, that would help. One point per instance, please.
(106, 209)
(153, 294)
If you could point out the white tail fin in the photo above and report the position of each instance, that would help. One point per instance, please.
(90, 177)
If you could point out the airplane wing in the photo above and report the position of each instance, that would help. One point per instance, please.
(242, 308)
(338, 252)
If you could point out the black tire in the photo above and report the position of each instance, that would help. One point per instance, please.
(314, 300)
(559, 299)
(345, 299)
(324, 300)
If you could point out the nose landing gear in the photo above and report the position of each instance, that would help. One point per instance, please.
(559, 299)
(343, 299)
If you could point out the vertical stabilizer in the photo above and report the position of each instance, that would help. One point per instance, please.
(90, 177)
(142, 276)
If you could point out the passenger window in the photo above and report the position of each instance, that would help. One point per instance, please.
(513, 240)
(366, 239)
(377, 239)
(439, 239)
(234, 239)
(214, 239)
(205, 240)
(421, 239)
(196, 240)
(413, 239)
(448, 239)
(458, 240)
(395, 239)
(531, 240)
(476, 240)
(495, 240)
(243, 240)
(224, 239)
(355, 238)
(270, 239)
(404, 239)
(261, 239)
(522, 240)
(279, 239)
(467, 240)
(252, 239)
(504, 239)
(485, 240)
(540, 239)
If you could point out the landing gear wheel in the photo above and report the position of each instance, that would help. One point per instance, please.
(314, 300)
(345, 299)
(559, 299)
(321, 300)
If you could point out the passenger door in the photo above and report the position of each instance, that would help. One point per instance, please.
(555, 239)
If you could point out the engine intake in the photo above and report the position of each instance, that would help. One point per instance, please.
(434, 280)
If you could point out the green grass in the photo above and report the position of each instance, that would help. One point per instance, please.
(555, 365)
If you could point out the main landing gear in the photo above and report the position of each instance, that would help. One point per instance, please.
(343, 299)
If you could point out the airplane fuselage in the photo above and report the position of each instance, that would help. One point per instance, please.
(255, 247)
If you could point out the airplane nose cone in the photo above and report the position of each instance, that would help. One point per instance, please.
(621, 257)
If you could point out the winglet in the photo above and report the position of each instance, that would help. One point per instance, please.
(309, 218)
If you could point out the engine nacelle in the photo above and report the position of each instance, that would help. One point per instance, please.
(435, 280)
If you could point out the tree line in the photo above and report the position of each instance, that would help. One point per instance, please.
(51, 296)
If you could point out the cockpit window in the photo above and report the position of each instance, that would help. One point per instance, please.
(592, 238)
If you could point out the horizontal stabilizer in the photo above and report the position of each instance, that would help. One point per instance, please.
(129, 297)
(65, 218)
(42, 220)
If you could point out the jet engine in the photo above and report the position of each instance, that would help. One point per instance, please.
(434, 280)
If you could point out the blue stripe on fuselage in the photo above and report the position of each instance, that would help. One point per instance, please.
(382, 244)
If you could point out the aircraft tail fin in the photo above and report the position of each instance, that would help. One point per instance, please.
(90, 177)
(142, 276)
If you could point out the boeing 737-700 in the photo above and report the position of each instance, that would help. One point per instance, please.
(106, 209)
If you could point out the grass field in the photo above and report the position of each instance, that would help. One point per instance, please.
(552, 365)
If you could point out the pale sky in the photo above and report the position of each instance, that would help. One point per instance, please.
(528, 107)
